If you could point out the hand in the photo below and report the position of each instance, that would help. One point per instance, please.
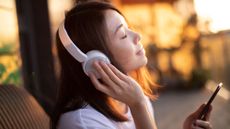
(116, 84)
(191, 122)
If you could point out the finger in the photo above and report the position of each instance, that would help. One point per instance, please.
(207, 117)
(204, 124)
(104, 76)
(110, 73)
(117, 72)
(196, 127)
(99, 86)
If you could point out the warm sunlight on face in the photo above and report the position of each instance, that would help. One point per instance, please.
(124, 43)
(215, 12)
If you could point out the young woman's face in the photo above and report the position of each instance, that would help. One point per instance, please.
(124, 43)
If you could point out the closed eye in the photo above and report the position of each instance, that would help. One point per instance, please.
(124, 31)
(124, 37)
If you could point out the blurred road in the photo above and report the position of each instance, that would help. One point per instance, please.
(172, 107)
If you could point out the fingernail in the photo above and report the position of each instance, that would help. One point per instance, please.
(95, 62)
(101, 62)
(198, 121)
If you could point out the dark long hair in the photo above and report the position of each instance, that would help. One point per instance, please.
(85, 24)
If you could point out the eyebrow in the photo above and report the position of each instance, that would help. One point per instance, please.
(118, 28)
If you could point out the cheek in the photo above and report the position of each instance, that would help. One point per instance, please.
(124, 56)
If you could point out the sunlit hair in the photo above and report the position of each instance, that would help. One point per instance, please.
(143, 77)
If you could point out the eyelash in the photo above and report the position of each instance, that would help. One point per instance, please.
(124, 37)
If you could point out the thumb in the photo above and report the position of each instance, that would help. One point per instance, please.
(198, 111)
(207, 117)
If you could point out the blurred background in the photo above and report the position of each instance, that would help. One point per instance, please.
(187, 43)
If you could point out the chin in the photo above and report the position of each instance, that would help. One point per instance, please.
(137, 64)
(141, 63)
(145, 61)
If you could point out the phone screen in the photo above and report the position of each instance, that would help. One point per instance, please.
(206, 108)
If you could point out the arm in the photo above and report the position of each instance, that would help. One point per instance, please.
(125, 89)
(142, 117)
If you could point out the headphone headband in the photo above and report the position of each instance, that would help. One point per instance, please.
(69, 45)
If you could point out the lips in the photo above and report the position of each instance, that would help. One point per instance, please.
(140, 51)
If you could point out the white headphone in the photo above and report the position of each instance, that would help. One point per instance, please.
(86, 59)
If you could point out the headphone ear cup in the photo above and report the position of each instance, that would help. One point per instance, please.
(91, 57)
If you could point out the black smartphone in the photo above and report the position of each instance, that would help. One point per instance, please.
(206, 108)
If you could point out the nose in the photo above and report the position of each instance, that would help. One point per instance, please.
(137, 37)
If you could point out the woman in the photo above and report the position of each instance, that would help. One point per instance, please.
(119, 99)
